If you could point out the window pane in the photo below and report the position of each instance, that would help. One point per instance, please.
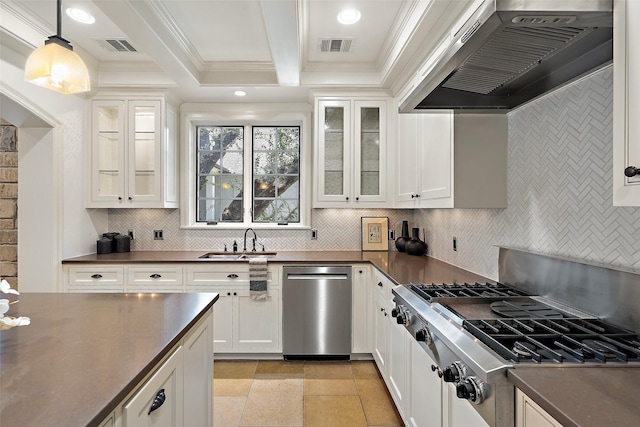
(276, 174)
(220, 173)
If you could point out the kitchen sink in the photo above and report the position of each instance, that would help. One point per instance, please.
(237, 256)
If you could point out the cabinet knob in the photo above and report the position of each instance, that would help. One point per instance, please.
(380, 284)
(235, 293)
(347, 199)
(232, 276)
(155, 276)
(228, 294)
(96, 276)
(357, 198)
(119, 198)
(130, 198)
(415, 196)
(157, 401)
(631, 171)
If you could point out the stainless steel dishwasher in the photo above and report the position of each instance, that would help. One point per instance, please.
(316, 312)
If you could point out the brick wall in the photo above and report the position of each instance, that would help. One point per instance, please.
(8, 203)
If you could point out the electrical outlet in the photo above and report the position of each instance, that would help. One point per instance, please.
(455, 244)
(131, 234)
(314, 234)
(158, 235)
(392, 235)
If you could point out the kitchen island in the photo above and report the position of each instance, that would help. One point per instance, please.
(83, 354)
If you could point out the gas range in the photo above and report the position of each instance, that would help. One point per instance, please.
(475, 332)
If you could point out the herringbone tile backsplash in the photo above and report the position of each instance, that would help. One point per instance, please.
(559, 189)
(559, 198)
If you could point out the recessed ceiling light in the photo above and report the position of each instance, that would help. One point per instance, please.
(80, 15)
(349, 16)
(239, 93)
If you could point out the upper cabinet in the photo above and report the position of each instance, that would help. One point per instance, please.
(626, 104)
(132, 159)
(351, 152)
(451, 160)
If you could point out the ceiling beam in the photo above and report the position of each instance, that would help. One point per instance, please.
(281, 23)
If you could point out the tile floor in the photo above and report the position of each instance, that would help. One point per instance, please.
(256, 393)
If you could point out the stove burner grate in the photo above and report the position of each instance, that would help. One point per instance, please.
(466, 290)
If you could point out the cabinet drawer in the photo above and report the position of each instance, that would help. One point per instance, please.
(382, 285)
(167, 378)
(218, 276)
(96, 276)
(154, 276)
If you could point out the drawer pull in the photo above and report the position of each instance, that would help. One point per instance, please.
(232, 276)
(96, 276)
(157, 402)
(380, 284)
(155, 276)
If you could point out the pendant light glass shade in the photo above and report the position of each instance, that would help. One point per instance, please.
(57, 67)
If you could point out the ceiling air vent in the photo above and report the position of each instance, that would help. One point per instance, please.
(335, 45)
(117, 45)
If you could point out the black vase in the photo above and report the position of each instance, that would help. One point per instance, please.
(404, 237)
(415, 246)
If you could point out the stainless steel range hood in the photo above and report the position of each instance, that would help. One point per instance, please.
(511, 51)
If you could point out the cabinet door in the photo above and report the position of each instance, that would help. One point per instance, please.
(198, 374)
(360, 311)
(369, 151)
(398, 358)
(425, 406)
(168, 380)
(381, 332)
(407, 161)
(626, 102)
(256, 325)
(108, 122)
(529, 414)
(223, 322)
(436, 154)
(144, 152)
(333, 174)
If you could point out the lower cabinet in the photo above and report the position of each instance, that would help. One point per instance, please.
(458, 412)
(381, 314)
(360, 312)
(425, 389)
(398, 366)
(529, 414)
(179, 391)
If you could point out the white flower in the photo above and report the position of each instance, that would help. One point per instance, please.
(10, 322)
(5, 288)
(4, 307)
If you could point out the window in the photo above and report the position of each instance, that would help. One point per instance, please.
(275, 174)
(245, 165)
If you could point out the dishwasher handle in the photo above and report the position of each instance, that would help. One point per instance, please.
(317, 276)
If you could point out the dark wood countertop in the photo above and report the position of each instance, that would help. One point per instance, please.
(399, 267)
(83, 353)
(583, 396)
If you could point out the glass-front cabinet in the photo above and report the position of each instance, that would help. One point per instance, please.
(132, 154)
(351, 152)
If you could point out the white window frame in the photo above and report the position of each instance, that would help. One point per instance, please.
(285, 114)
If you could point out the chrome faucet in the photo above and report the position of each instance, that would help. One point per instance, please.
(255, 237)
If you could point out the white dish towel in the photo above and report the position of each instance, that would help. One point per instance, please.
(258, 278)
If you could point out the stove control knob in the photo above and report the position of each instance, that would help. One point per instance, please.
(396, 311)
(424, 335)
(450, 374)
(402, 318)
(471, 388)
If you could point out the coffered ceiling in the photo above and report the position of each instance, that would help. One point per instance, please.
(272, 49)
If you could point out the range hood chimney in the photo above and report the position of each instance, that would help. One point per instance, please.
(512, 51)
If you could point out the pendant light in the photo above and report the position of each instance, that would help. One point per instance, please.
(56, 66)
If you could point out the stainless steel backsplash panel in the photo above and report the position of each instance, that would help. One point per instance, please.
(608, 293)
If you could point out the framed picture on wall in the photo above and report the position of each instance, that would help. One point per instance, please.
(375, 233)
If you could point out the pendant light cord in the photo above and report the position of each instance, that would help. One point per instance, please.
(59, 34)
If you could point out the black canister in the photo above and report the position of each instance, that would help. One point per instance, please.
(104, 245)
(111, 236)
(123, 243)
(415, 246)
(404, 237)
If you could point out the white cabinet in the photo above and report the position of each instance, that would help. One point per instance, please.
(360, 311)
(95, 278)
(626, 102)
(398, 366)
(181, 386)
(451, 160)
(529, 414)
(121, 278)
(381, 313)
(154, 278)
(242, 324)
(351, 152)
(132, 160)
(159, 402)
(425, 390)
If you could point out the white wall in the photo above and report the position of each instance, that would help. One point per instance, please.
(52, 221)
